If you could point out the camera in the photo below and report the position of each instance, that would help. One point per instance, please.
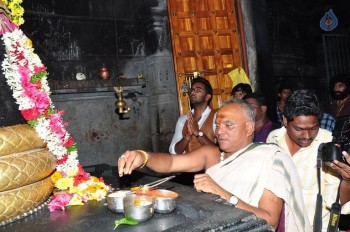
(333, 150)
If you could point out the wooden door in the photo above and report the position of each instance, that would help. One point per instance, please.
(206, 38)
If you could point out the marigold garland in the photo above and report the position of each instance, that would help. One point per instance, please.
(27, 77)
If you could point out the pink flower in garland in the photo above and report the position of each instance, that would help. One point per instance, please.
(30, 90)
(25, 80)
(63, 160)
(39, 69)
(81, 176)
(30, 114)
(60, 201)
(27, 77)
(42, 102)
(6, 25)
(39, 98)
(25, 74)
(56, 125)
(69, 142)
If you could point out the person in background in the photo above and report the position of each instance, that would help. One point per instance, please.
(327, 122)
(197, 127)
(240, 90)
(340, 92)
(256, 177)
(263, 125)
(300, 138)
(283, 93)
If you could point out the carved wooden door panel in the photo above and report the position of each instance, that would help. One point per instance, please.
(206, 38)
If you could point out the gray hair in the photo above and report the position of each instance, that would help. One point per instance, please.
(246, 108)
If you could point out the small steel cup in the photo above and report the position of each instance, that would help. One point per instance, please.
(115, 201)
(138, 208)
(165, 201)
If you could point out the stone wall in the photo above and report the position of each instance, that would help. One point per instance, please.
(100, 133)
(127, 37)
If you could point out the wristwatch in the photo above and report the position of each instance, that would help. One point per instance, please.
(200, 134)
(233, 200)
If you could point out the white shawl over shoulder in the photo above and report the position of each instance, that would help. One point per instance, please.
(249, 171)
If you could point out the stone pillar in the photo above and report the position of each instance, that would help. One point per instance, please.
(163, 104)
(248, 27)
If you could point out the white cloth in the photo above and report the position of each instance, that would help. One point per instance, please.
(266, 166)
(305, 160)
(180, 125)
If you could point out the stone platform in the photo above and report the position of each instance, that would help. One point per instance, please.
(195, 212)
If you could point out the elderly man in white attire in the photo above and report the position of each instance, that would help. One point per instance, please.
(259, 178)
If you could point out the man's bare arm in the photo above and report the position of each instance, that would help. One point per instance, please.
(269, 207)
(193, 127)
(204, 140)
(181, 145)
(166, 163)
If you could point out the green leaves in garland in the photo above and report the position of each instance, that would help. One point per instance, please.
(36, 77)
(33, 122)
(72, 148)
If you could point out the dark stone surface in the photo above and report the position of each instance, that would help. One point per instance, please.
(9, 113)
(82, 36)
(195, 212)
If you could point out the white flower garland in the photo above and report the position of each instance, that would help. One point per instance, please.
(27, 77)
(17, 43)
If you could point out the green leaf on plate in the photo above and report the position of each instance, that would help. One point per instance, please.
(125, 221)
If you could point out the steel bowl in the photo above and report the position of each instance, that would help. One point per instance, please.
(137, 207)
(115, 201)
(165, 201)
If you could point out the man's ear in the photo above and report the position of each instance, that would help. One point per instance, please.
(250, 127)
(285, 121)
(208, 97)
(263, 108)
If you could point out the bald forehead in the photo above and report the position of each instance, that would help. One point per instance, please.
(231, 110)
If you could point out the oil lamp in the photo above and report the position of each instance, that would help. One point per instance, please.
(120, 103)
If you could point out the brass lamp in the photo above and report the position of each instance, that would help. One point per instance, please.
(120, 103)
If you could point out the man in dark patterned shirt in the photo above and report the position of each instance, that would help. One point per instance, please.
(327, 122)
(263, 125)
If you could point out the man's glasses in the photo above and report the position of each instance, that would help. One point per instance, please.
(196, 90)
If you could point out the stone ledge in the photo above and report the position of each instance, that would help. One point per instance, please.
(88, 86)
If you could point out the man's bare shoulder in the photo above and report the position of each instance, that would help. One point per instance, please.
(211, 153)
(207, 150)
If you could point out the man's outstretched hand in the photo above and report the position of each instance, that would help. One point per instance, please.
(128, 162)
